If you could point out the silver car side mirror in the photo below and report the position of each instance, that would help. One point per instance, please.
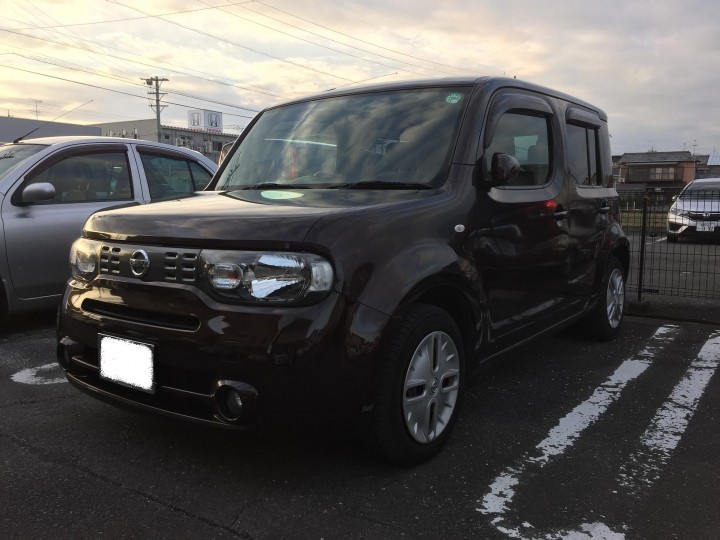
(41, 191)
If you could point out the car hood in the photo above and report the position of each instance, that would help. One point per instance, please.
(694, 204)
(236, 219)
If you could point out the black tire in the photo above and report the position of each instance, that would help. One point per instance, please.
(607, 315)
(391, 430)
(672, 239)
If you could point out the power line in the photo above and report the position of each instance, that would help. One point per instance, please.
(246, 87)
(220, 8)
(234, 43)
(361, 40)
(106, 89)
(106, 76)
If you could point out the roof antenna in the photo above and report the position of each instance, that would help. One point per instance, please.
(49, 122)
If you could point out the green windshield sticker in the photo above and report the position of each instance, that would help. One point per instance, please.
(454, 98)
(280, 195)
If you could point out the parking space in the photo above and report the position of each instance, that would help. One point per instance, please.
(564, 438)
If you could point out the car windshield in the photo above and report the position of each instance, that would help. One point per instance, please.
(385, 140)
(697, 188)
(12, 155)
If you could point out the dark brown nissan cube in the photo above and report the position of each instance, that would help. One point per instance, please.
(359, 252)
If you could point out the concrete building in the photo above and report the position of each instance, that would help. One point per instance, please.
(12, 128)
(206, 141)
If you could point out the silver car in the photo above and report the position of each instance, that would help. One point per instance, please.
(49, 187)
(696, 211)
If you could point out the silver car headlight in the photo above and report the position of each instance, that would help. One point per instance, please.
(267, 277)
(679, 211)
(84, 255)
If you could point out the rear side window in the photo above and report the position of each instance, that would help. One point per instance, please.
(100, 176)
(528, 139)
(582, 155)
(169, 176)
(201, 177)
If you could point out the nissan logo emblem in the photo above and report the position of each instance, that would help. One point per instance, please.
(139, 263)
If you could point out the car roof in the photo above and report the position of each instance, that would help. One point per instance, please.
(91, 139)
(68, 140)
(705, 181)
(490, 83)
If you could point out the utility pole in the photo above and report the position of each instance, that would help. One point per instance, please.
(156, 107)
(37, 117)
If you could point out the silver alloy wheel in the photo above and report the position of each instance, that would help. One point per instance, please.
(431, 387)
(615, 297)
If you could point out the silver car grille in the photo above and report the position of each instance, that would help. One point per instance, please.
(704, 216)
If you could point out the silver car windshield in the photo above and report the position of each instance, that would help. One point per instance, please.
(393, 139)
(12, 155)
(701, 187)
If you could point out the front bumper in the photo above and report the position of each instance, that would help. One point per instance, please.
(683, 227)
(307, 360)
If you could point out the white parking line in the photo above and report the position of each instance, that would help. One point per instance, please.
(34, 375)
(496, 503)
(670, 422)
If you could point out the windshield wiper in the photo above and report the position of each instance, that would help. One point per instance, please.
(379, 184)
(268, 185)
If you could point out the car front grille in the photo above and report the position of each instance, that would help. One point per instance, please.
(704, 216)
(176, 266)
(180, 267)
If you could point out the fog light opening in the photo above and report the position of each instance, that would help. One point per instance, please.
(235, 402)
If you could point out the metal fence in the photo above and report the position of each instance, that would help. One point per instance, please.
(674, 241)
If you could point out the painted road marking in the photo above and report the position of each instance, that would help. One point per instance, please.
(497, 502)
(670, 422)
(36, 375)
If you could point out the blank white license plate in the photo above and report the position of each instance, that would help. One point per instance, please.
(127, 362)
(706, 227)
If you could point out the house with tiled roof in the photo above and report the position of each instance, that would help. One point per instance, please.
(710, 168)
(638, 170)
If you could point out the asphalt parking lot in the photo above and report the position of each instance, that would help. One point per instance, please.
(564, 438)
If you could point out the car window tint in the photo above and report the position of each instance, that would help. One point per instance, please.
(582, 151)
(527, 138)
(167, 176)
(98, 176)
(201, 177)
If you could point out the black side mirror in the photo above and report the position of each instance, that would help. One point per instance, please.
(41, 191)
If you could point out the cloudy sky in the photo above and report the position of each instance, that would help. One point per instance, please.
(651, 65)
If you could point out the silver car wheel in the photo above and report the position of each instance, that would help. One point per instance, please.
(615, 298)
(431, 387)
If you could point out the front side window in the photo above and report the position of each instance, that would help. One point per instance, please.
(582, 152)
(101, 176)
(395, 139)
(527, 138)
(169, 176)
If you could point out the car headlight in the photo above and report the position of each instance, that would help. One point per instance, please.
(266, 277)
(84, 259)
(679, 211)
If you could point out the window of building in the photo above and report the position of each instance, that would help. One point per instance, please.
(662, 173)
